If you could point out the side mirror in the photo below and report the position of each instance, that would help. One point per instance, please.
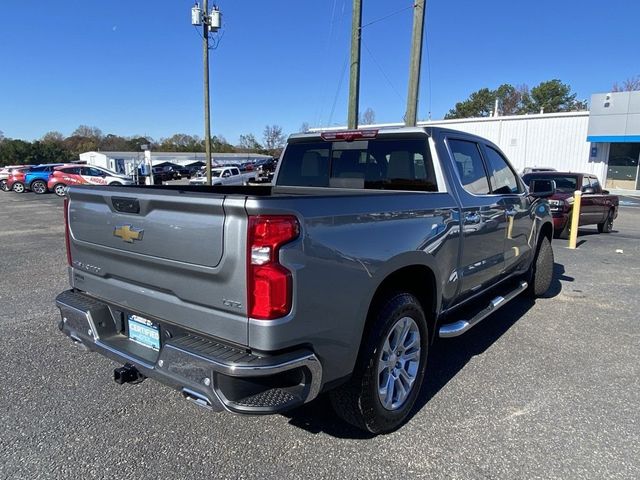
(542, 188)
(588, 191)
(605, 192)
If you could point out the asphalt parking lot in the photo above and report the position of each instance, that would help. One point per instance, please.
(549, 389)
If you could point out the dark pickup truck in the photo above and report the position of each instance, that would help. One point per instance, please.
(597, 206)
(338, 278)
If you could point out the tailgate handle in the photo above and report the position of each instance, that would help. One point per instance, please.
(126, 205)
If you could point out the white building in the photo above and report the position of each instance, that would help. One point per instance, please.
(128, 162)
(604, 141)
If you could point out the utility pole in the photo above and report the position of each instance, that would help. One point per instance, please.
(415, 63)
(207, 111)
(210, 22)
(354, 79)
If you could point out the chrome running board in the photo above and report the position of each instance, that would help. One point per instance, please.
(454, 329)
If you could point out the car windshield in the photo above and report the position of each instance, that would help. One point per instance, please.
(216, 173)
(564, 183)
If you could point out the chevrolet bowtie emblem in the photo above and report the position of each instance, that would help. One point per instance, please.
(128, 233)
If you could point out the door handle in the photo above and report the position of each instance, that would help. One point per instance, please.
(472, 217)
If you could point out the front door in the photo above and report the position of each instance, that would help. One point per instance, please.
(515, 204)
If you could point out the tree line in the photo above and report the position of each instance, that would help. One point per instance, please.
(548, 97)
(54, 147)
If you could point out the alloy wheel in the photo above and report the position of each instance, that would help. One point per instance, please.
(398, 363)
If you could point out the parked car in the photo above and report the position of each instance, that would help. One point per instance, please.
(337, 278)
(5, 173)
(15, 181)
(597, 206)
(84, 175)
(223, 176)
(36, 179)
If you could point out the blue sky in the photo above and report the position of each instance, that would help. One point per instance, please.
(136, 67)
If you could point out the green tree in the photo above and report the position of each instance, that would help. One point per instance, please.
(248, 142)
(14, 152)
(479, 104)
(553, 96)
(220, 144)
(113, 143)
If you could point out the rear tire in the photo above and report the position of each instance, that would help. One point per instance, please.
(116, 184)
(541, 273)
(389, 370)
(18, 187)
(607, 225)
(60, 189)
(3, 186)
(39, 187)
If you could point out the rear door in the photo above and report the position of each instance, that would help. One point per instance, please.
(175, 256)
(483, 221)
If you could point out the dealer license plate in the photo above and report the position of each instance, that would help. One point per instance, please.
(144, 332)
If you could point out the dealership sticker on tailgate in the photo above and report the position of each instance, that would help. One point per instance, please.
(144, 332)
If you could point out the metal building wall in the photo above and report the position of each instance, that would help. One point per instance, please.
(557, 140)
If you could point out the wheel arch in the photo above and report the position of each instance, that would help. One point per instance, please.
(418, 279)
(546, 230)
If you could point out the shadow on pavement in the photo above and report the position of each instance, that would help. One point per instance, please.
(446, 358)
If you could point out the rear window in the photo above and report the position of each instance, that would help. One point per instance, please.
(564, 183)
(382, 164)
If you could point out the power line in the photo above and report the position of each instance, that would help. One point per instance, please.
(335, 99)
(388, 16)
(382, 70)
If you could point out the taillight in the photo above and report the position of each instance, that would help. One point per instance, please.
(269, 289)
(67, 236)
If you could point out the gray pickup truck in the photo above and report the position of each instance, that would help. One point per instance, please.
(337, 278)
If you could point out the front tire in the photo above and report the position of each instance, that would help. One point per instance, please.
(39, 187)
(18, 187)
(541, 273)
(115, 184)
(60, 189)
(607, 225)
(3, 185)
(390, 367)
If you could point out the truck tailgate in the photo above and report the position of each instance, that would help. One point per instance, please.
(166, 254)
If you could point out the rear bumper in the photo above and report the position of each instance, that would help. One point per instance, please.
(212, 374)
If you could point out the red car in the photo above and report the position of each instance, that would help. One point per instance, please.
(83, 175)
(5, 173)
(15, 181)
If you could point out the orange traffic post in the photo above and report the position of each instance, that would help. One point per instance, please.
(575, 219)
